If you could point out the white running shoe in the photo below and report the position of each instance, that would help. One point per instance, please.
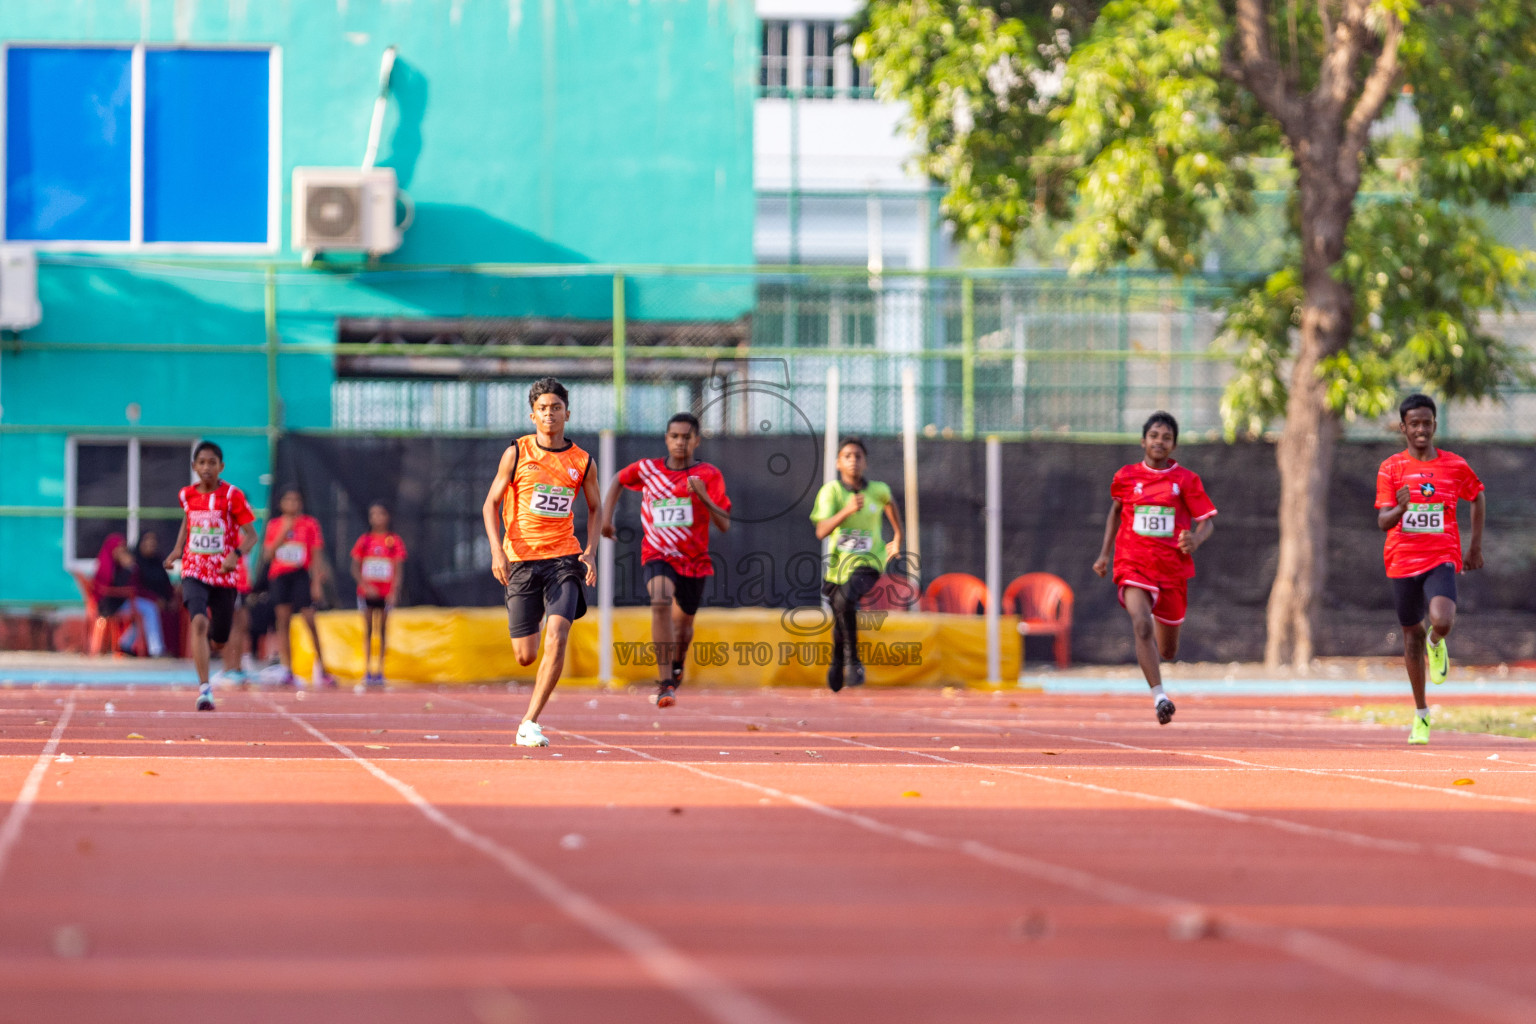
(530, 735)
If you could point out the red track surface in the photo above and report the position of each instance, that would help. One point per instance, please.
(755, 857)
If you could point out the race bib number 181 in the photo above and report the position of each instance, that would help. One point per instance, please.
(1424, 517)
(551, 502)
(1153, 521)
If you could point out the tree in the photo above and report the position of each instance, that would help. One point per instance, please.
(1139, 124)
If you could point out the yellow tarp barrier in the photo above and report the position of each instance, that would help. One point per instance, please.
(732, 647)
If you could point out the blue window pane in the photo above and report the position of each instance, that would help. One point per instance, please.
(68, 131)
(205, 145)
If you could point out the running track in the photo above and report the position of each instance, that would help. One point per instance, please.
(755, 857)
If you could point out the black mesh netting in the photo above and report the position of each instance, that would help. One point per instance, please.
(1056, 497)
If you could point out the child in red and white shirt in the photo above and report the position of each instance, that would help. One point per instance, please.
(1159, 514)
(294, 552)
(215, 532)
(377, 558)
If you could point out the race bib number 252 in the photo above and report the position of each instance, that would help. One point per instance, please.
(551, 502)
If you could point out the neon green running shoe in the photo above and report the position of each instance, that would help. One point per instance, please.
(1420, 733)
(1439, 660)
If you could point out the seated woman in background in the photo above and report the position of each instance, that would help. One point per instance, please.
(116, 572)
(153, 581)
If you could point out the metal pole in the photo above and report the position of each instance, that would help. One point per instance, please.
(605, 472)
(829, 445)
(829, 464)
(620, 417)
(909, 477)
(274, 398)
(794, 175)
(968, 357)
(994, 557)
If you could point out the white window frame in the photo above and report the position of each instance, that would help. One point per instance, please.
(74, 561)
(136, 241)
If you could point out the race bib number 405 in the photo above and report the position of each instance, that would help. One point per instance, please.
(672, 512)
(1424, 517)
(205, 535)
(1153, 521)
(551, 502)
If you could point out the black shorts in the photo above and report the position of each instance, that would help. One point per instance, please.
(292, 589)
(1412, 594)
(553, 585)
(216, 603)
(687, 591)
(371, 604)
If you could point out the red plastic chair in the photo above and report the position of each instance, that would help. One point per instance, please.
(955, 593)
(1043, 604)
(891, 594)
(108, 630)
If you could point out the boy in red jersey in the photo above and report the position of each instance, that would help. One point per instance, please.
(1159, 515)
(681, 498)
(1416, 495)
(293, 544)
(215, 532)
(530, 520)
(376, 561)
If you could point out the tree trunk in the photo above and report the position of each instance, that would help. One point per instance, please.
(1305, 452)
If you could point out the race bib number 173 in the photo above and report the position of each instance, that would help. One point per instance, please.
(672, 512)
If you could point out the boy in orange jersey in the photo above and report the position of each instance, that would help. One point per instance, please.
(530, 521)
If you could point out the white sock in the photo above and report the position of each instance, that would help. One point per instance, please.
(1158, 694)
(1423, 714)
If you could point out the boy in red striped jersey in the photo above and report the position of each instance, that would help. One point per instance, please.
(1159, 514)
(680, 499)
(1416, 495)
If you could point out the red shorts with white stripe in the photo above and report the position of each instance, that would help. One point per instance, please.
(1170, 598)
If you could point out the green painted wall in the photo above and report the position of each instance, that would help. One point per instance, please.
(577, 131)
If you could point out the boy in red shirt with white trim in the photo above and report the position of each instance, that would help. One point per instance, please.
(376, 560)
(1159, 514)
(215, 532)
(292, 546)
(680, 498)
(1416, 495)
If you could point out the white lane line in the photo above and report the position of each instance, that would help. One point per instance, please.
(1466, 854)
(1331, 773)
(715, 997)
(1411, 981)
(16, 817)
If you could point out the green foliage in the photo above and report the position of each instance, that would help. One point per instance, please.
(1422, 276)
(1118, 128)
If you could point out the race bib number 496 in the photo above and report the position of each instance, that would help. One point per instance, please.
(1424, 517)
(551, 502)
(1153, 521)
(672, 512)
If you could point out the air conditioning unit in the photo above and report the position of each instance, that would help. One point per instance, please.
(346, 209)
(19, 306)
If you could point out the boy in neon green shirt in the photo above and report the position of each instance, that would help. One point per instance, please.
(848, 510)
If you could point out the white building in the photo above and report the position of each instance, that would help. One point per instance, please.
(834, 181)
